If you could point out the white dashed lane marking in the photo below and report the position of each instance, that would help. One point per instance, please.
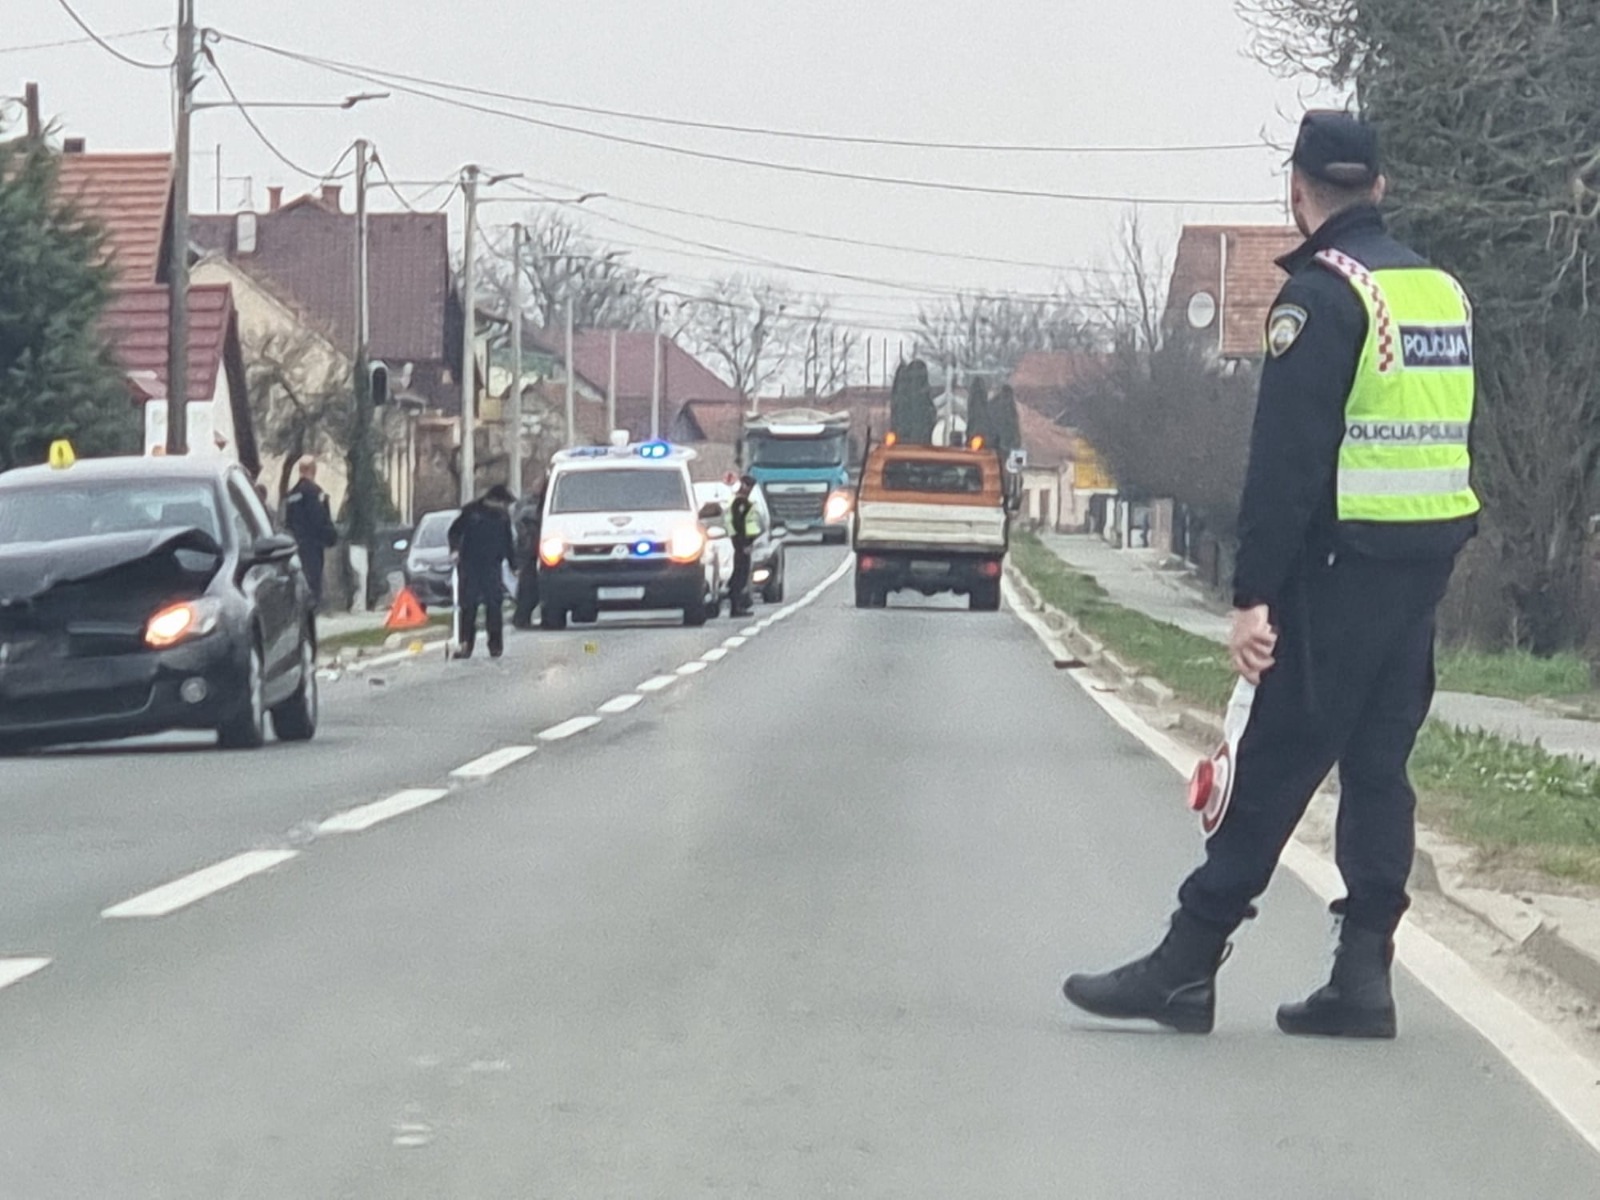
(716, 654)
(13, 970)
(566, 729)
(494, 761)
(750, 631)
(693, 668)
(658, 684)
(181, 893)
(358, 819)
(621, 704)
(735, 642)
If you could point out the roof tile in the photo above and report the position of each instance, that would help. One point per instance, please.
(128, 194)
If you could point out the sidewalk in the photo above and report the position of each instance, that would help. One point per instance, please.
(1136, 580)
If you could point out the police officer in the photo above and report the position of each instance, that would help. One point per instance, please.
(743, 528)
(526, 519)
(1356, 502)
(480, 540)
(307, 516)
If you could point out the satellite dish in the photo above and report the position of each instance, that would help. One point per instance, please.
(1202, 310)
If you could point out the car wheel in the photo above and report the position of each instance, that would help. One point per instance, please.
(247, 729)
(552, 620)
(773, 592)
(295, 720)
(695, 615)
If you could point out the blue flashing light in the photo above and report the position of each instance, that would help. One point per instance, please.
(654, 450)
(642, 548)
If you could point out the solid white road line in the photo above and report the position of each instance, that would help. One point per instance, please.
(1565, 1078)
(621, 704)
(693, 668)
(715, 654)
(181, 893)
(659, 684)
(356, 820)
(558, 733)
(734, 642)
(492, 762)
(14, 969)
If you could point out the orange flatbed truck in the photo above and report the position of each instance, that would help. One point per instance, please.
(931, 519)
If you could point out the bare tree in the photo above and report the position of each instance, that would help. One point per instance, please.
(301, 395)
(823, 347)
(560, 260)
(990, 332)
(744, 327)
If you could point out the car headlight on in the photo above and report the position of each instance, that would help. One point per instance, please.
(760, 575)
(837, 508)
(687, 545)
(182, 622)
(553, 550)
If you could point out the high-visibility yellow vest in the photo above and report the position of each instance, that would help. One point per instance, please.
(1405, 455)
(751, 524)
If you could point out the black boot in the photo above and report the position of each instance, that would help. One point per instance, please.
(1174, 985)
(1357, 1002)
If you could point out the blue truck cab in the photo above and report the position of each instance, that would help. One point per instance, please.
(801, 460)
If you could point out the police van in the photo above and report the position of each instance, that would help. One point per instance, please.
(622, 532)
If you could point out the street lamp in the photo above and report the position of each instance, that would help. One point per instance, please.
(348, 102)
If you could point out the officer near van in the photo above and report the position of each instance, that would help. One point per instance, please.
(309, 519)
(480, 540)
(1356, 503)
(743, 528)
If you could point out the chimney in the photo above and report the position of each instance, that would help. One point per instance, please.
(244, 233)
(274, 199)
(30, 101)
(330, 195)
(74, 145)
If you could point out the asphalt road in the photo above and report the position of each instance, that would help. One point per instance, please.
(791, 925)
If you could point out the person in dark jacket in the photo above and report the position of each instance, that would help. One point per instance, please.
(481, 544)
(1356, 502)
(525, 521)
(743, 529)
(309, 519)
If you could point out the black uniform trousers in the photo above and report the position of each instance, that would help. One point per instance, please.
(490, 594)
(739, 586)
(1351, 687)
(527, 594)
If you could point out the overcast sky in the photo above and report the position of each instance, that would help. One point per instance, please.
(1055, 72)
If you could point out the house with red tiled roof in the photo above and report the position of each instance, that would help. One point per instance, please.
(135, 325)
(684, 380)
(1224, 279)
(305, 252)
(1043, 380)
(129, 195)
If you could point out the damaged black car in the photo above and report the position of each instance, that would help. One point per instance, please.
(142, 595)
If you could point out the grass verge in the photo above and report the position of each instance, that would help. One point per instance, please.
(1517, 675)
(364, 639)
(1516, 802)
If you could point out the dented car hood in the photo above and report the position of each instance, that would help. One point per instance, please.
(30, 569)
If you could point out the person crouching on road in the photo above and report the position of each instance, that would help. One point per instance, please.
(480, 543)
(743, 529)
(1357, 500)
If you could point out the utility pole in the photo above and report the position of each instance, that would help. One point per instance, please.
(178, 262)
(362, 469)
(469, 335)
(611, 387)
(514, 468)
(655, 367)
(572, 404)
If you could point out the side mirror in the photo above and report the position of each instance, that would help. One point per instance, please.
(711, 512)
(274, 548)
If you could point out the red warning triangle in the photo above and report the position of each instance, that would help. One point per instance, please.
(405, 612)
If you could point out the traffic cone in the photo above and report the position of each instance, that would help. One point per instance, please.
(405, 612)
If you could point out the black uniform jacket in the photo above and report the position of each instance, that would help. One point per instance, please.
(1288, 514)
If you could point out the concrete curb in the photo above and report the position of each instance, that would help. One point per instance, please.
(1440, 864)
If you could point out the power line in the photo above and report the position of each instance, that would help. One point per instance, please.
(92, 40)
(106, 45)
(222, 77)
(378, 77)
(761, 130)
(411, 205)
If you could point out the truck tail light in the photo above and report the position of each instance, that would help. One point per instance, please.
(990, 570)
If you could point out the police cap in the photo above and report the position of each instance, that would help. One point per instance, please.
(1338, 148)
